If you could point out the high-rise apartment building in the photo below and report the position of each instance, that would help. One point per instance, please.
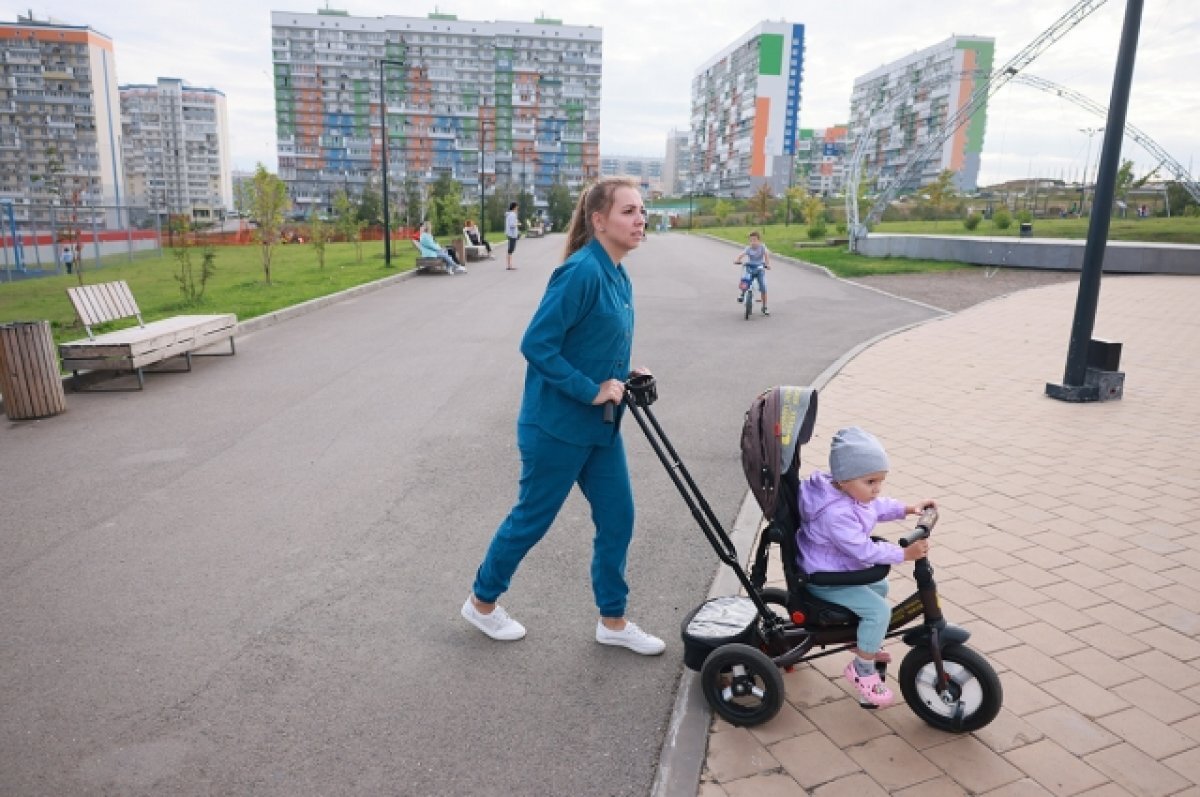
(821, 160)
(676, 165)
(902, 105)
(175, 139)
(746, 111)
(646, 171)
(487, 103)
(59, 119)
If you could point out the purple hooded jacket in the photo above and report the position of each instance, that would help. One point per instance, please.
(836, 533)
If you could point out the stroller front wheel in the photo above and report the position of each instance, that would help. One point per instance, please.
(969, 701)
(742, 685)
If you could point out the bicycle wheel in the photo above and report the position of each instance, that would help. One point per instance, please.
(748, 301)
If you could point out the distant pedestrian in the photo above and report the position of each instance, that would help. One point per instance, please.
(512, 230)
(68, 258)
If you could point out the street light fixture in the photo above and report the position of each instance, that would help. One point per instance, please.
(383, 130)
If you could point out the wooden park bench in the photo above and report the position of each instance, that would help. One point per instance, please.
(429, 265)
(134, 348)
(470, 250)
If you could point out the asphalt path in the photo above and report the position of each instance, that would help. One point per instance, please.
(246, 580)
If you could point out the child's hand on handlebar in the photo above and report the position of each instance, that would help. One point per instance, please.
(916, 509)
(916, 550)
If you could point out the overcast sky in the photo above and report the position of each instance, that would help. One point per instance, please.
(652, 49)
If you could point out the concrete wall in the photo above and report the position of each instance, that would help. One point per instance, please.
(1122, 257)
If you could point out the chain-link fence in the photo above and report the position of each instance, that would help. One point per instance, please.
(42, 240)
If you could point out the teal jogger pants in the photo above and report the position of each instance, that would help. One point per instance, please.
(549, 468)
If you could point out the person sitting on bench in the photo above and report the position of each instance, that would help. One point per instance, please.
(475, 237)
(431, 248)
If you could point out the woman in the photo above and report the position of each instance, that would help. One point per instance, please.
(430, 248)
(475, 237)
(577, 347)
(512, 231)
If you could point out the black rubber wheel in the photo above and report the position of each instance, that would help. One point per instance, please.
(748, 301)
(972, 699)
(742, 685)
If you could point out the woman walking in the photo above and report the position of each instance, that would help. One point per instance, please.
(577, 348)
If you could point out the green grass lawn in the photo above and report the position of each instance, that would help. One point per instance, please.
(792, 240)
(783, 239)
(236, 287)
(1177, 230)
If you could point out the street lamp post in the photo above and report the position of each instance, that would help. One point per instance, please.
(383, 130)
(1090, 132)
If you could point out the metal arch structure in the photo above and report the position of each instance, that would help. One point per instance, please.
(997, 80)
(1177, 169)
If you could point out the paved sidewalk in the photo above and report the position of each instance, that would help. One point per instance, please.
(1068, 545)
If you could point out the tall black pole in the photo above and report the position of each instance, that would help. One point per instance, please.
(1073, 388)
(383, 132)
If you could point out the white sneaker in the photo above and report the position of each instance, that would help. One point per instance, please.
(496, 624)
(630, 637)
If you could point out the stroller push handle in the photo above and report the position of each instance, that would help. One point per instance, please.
(924, 528)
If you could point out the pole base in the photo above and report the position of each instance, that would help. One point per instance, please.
(1098, 385)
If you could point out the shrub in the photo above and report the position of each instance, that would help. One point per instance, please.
(1001, 219)
(971, 221)
(816, 230)
(1024, 216)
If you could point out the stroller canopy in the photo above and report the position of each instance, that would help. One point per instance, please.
(779, 421)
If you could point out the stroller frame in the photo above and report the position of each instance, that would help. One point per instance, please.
(946, 683)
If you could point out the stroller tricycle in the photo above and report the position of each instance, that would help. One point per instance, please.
(739, 644)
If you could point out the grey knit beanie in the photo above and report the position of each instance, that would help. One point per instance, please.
(854, 453)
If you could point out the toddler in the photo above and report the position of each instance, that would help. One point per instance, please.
(839, 511)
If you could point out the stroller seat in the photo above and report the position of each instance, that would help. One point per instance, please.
(776, 427)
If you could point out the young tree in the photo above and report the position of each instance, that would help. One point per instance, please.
(814, 216)
(941, 193)
(722, 209)
(318, 235)
(446, 210)
(795, 199)
(560, 206)
(761, 203)
(347, 223)
(370, 206)
(267, 199)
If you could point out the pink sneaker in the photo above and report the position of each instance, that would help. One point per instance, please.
(872, 692)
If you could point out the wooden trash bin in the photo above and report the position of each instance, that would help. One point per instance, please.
(30, 380)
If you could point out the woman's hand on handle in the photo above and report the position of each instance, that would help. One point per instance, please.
(611, 390)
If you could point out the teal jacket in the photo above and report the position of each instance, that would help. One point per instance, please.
(580, 335)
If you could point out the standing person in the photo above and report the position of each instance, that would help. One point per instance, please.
(512, 230)
(577, 347)
(68, 258)
(839, 510)
(431, 248)
(757, 258)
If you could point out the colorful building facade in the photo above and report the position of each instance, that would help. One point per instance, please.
(904, 104)
(746, 111)
(487, 103)
(175, 139)
(59, 120)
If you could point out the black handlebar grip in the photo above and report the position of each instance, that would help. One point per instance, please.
(925, 525)
(608, 412)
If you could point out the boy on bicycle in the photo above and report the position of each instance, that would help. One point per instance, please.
(757, 259)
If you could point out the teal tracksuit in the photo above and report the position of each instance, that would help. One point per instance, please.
(580, 336)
